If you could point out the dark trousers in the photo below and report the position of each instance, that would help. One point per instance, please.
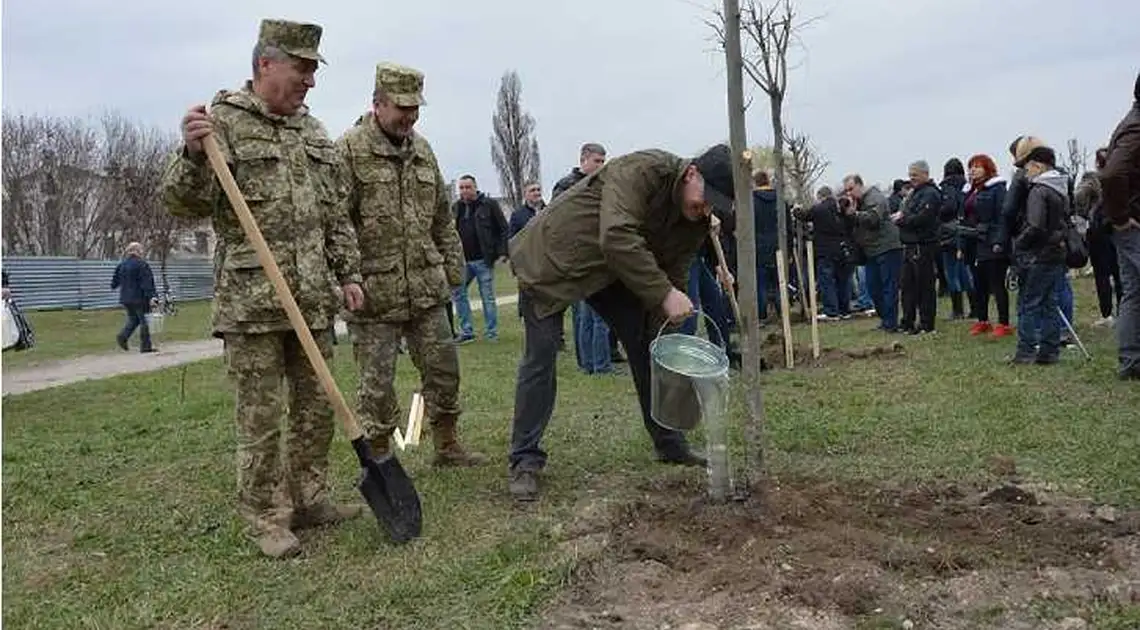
(1106, 271)
(536, 385)
(990, 277)
(834, 286)
(883, 282)
(136, 318)
(917, 283)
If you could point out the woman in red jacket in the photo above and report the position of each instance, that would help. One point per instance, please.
(984, 198)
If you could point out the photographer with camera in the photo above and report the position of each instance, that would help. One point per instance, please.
(877, 237)
(834, 256)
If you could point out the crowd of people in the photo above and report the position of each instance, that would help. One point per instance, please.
(973, 237)
(363, 227)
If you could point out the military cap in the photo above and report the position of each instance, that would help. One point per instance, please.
(403, 85)
(295, 38)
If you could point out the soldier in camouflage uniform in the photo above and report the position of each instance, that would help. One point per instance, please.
(411, 257)
(291, 175)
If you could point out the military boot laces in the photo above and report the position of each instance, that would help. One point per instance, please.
(448, 450)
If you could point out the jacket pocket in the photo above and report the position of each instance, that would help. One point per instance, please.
(260, 169)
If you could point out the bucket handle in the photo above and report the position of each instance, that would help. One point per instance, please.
(698, 311)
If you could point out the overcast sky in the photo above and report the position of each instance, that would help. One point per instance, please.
(880, 82)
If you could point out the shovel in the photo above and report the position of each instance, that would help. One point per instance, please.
(384, 484)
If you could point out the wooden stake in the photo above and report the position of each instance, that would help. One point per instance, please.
(785, 308)
(813, 302)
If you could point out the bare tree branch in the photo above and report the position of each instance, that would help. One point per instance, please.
(806, 167)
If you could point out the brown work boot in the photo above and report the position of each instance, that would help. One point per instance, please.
(323, 514)
(448, 451)
(380, 446)
(278, 542)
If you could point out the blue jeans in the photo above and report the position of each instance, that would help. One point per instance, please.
(480, 271)
(883, 283)
(958, 277)
(1038, 327)
(1063, 293)
(860, 291)
(136, 318)
(592, 341)
(834, 287)
(706, 295)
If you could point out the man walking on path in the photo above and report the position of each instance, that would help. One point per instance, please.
(289, 171)
(1120, 186)
(135, 282)
(623, 240)
(411, 258)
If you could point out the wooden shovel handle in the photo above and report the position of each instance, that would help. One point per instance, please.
(269, 264)
(731, 295)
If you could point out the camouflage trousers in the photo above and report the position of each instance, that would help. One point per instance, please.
(432, 348)
(273, 479)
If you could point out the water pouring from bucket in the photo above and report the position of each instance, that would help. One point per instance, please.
(689, 383)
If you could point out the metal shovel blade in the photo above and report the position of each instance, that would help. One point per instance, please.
(390, 494)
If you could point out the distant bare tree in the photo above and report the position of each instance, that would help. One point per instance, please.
(806, 165)
(514, 148)
(82, 188)
(1078, 158)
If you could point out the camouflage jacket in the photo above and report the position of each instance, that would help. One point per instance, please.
(292, 178)
(410, 250)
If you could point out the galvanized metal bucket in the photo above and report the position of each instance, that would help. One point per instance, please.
(677, 362)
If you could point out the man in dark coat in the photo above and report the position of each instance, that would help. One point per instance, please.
(135, 282)
(622, 239)
(1120, 187)
(918, 231)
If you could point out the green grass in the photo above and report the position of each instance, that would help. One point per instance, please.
(68, 334)
(117, 506)
(73, 333)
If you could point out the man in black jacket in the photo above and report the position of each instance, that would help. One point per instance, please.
(1039, 255)
(918, 231)
(482, 228)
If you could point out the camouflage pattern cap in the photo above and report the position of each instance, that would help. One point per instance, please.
(403, 85)
(295, 38)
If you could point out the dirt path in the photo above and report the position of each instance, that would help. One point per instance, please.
(68, 371)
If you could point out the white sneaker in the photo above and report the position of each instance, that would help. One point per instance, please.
(1109, 321)
(824, 318)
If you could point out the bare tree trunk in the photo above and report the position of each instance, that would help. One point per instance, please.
(749, 328)
(777, 103)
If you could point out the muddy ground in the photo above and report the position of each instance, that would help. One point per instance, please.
(822, 555)
(772, 353)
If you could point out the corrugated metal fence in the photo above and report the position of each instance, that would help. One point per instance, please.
(46, 282)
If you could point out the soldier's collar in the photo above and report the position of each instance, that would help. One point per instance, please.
(250, 100)
(384, 144)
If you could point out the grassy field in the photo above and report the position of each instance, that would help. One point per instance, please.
(117, 507)
(67, 334)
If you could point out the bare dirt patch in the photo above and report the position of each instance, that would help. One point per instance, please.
(825, 555)
(772, 353)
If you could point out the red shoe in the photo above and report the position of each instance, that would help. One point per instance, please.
(980, 328)
(1002, 330)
